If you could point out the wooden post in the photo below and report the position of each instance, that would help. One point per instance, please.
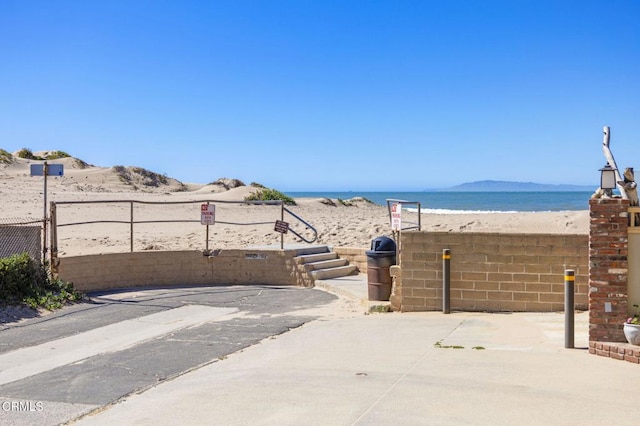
(630, 186)
(612, 162)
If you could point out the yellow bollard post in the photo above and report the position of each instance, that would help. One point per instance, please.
(569, 291)
(446, 281)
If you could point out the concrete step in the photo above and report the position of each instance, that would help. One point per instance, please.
(340, 271)
(310, 258)
(326, 264)
(302, 251)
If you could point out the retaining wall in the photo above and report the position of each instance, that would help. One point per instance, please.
(490, 272)
(356, 256)
(163, 268)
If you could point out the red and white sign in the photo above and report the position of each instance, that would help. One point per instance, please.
(396, 216)
(208, 214)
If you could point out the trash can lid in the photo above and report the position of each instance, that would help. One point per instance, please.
(378, 254)
(383, 244)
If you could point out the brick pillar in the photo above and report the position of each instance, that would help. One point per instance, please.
(608, 269)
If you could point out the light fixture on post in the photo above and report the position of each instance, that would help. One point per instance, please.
(608, 179)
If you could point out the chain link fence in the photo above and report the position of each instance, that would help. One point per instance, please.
(19, 235)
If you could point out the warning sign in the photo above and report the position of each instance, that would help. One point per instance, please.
(396, 216)
(281, 227)
(208, 214)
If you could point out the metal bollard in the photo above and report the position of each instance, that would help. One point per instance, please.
(446, 281)
(569, 309)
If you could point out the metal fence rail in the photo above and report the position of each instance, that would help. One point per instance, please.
(308, 234)
(19, 235)
(407, 225)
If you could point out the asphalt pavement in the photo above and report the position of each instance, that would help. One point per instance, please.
(60, 366)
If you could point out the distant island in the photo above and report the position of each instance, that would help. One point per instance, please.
(507, 186)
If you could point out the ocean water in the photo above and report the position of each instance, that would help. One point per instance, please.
(471, 202)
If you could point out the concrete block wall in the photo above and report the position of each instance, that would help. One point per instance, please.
(490, 272)
(355, 255)
(163, 268)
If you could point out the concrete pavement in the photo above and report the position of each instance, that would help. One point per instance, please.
(418, 368)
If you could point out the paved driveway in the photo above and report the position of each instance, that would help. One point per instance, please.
(59, 366)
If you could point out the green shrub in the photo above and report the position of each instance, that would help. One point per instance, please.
(24, 281)
(129, 175)
(268, 194)
(27, 154)
(19, 276)
(354, 200)
(227, 183)
(150, 178)
(57, 154)
(5, 157)
(80, 164)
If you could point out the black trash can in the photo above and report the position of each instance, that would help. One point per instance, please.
(379, 260)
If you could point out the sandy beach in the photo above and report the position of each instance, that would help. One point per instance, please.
(237, 224)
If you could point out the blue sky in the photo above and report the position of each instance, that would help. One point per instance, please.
(305, 95)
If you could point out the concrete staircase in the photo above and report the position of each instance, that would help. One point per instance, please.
(321, 263)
